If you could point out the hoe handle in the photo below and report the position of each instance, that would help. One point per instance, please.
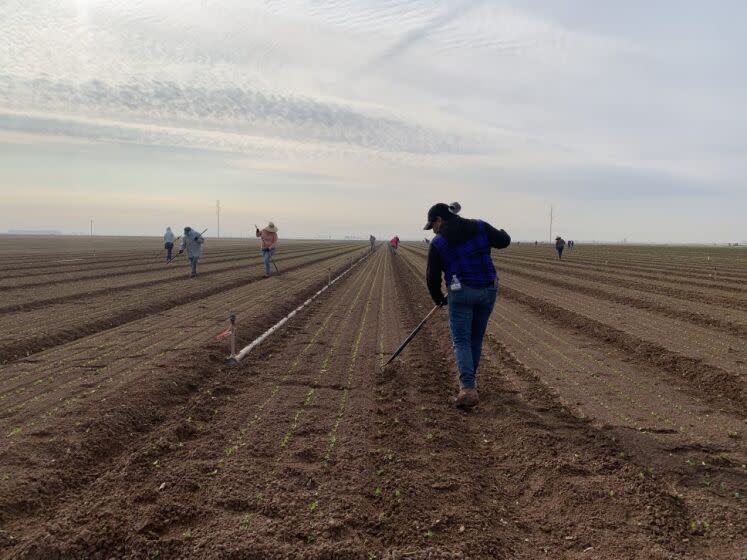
(412, 335)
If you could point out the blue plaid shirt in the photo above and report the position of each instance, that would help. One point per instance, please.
(470, 260)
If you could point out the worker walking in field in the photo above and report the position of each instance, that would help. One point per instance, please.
(168, 242)
(460, 252)
(372, 241)
(559, 246)
(393, 245)
(192, 241)
(268, 237)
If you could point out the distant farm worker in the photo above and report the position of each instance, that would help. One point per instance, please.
(461, 252)
(372, 241)
(393, 245)
(192, 241)
(559, 246)
(168, 242)
(268, 243)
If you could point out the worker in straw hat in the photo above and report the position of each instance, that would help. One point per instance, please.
(268, 242)
(461, 252)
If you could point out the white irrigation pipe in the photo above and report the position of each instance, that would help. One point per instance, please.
(256, 342)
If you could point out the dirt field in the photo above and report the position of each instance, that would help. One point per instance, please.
(612, 423)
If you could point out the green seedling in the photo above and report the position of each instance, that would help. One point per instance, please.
(313, 505)
(246, 521)
(698, 526)
(230, 451)
(187, 535)
(377, 491)
(14, 432)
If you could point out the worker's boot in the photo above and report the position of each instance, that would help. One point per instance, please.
(467, 398)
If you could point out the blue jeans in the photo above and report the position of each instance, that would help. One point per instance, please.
(169, 247)
(469, 311)
(193, 264)
(267, 255)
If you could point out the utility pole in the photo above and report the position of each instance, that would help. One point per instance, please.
(217, 211)
(551, 223)
(91, 228)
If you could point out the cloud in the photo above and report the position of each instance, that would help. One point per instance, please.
(232, 110)
(501, 98)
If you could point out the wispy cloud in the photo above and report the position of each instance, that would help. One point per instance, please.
(634, 98)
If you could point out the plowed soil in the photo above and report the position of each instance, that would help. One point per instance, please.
(612, 420)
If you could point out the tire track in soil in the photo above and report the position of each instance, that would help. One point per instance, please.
(20, 350)
(676, 500)
(133, 469)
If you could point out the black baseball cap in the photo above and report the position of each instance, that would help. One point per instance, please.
(439, 210)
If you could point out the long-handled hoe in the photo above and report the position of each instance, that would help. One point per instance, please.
(172, 258)
(411, 335)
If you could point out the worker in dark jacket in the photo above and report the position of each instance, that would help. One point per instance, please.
(461, 252)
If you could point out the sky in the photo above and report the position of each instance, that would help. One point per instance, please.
(349, 117)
